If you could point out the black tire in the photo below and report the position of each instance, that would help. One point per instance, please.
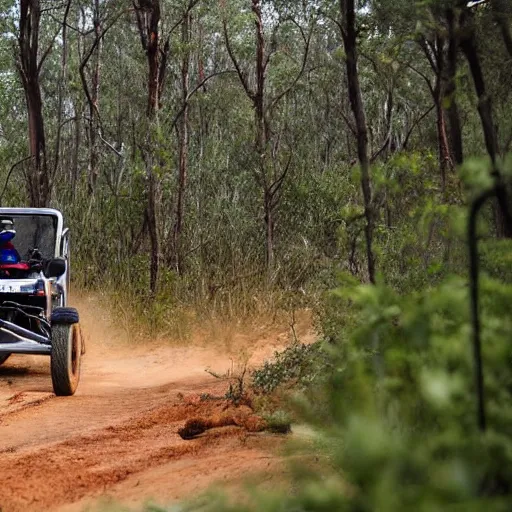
(64, 316)
(3, 358)
(65, 358)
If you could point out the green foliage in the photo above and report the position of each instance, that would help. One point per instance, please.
(398, 422)
(300, 364)
(278, 422)
(318, 226)
(496, 259)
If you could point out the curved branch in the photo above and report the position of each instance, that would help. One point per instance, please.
(9, 175)
(422, 75)
(307, 43)
(47, 51)
(88, 55)
(241, 74)
(414, 124)
(196, 88)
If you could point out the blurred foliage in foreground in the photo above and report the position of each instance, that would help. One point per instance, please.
(395, 418)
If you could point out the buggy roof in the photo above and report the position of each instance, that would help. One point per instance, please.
(37, 227)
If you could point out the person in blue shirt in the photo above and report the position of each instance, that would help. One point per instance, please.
(8, 253)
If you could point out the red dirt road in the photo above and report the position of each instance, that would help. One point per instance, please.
(117, 437)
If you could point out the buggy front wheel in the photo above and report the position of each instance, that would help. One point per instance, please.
(65, 358)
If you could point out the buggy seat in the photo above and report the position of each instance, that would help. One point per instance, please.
(11, 265)
(14, 270)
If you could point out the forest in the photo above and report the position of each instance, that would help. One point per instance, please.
(234, 158)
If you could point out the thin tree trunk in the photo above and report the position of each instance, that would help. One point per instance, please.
(435, 51)
(151, 220)
(261, 137)
(349, 35)
(445, 161)
(269, 223)
(148, 21)
(451, 89)
(94, 105)
(445, 156)
(75, 162)
(501, 207)
(60, 87)
(38, 184)
(183, 143)
(263, 105)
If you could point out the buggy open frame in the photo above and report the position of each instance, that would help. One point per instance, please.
(34, 313)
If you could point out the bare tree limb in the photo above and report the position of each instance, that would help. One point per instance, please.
(241, 74)
(196, 89)
(9, 175)
(422, 75)
(429, 52)
(416, 123)
(349, 123)
(88, 55)
(47, 51)
(307, 42)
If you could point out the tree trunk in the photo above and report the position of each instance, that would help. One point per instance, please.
(148, 20)
(445, 161)
(152, 52)
(38, 181)
(265, 175)
(75, 167)
(61, 87)
(94, 105)
(451, 89)
(151, 221)
(183, 143)
(501, 207)
(435, 50)
(269, 234)
(349, 35)
(261, 137)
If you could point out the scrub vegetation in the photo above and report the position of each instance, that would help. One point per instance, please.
(232, 158)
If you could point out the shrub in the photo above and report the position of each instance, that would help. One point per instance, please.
(397, 415)
(299, 364)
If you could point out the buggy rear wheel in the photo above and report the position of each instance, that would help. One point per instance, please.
(65, 358)
(4, 357)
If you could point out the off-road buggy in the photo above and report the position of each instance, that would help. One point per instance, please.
(34, 313)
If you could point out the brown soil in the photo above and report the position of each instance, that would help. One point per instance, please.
(119, 437)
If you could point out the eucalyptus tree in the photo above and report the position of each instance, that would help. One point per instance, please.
(349, 30)
(94, 18)
(272, 158)
(29, 63)
(156, 48)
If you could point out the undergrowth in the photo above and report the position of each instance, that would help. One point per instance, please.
(395, 414)
(300, 365)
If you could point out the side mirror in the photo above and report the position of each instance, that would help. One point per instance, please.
(55, 267)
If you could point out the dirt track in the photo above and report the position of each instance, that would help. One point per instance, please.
(117, 437)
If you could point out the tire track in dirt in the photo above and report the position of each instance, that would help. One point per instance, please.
(118, 435)
(90, 463)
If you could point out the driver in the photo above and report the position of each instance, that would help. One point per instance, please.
(8, 253)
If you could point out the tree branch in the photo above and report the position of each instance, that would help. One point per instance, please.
(196, 88)
(307, 42)
(47, 51)
(414, 124)
(241, 74)
(9, 175)
(422, 75)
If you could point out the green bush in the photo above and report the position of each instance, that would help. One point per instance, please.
(397, 414)
(300, 364)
